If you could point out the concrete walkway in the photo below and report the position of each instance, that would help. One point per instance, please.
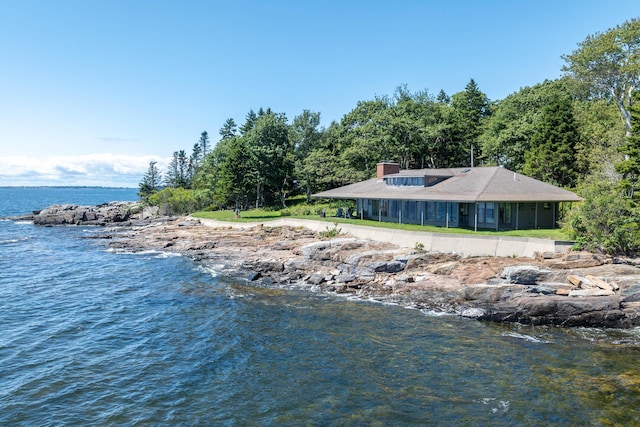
(467, 245)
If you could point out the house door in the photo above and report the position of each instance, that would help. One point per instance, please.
(464, 214)
(504, 215)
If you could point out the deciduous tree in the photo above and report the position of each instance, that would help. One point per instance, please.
(609, 63)
(629, 168)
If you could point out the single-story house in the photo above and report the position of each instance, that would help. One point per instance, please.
(477, 198)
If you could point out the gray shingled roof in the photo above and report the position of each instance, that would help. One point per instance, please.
(481, 184)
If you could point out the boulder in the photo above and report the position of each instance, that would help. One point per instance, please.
(524, 274)
(599, 283)
(345, 277)
(574, 280)
(483, 294)
(595, 292)
(316, 279)
(444, 269)
(387, 266)
(576, 260)
(558, 310)
(317, 250)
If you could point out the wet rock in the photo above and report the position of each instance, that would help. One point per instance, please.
(473, 312)
(557, 310)
(253, 276)
(316, 279)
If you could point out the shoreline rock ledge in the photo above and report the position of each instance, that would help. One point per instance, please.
(103, 214)
(569, 289)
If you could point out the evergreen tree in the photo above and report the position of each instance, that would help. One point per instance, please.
(150, 183)
(443, 97)
(196, 159)
(235, 183)
(177, 172)
(204, 144)
(228, 129)
(249, 123)
(552, 156)
(471, 107)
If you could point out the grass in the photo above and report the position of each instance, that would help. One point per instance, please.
(245, 216)
(266, 215)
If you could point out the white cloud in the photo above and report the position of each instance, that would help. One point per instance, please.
(108, 170)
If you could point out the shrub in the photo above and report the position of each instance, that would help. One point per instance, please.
(605, 221)
(331, 232)
(174, 201)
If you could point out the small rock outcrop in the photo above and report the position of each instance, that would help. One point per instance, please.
(105, 214)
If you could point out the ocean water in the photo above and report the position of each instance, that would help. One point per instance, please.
(93, 337)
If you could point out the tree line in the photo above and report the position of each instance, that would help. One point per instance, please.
(579, 131)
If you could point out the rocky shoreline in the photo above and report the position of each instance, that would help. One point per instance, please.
(572, 289)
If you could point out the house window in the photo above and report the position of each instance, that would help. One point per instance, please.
(375, 207)
(405, 181)
(453, 213)
(431, 214)
(394, 208)
(410, 208)
(486, 213)
(442, 212)
(384, 207)
(490, 213)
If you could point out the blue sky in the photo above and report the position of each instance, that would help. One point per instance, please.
(91, 91)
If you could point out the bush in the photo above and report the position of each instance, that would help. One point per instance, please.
(329, 233)
(175, 201)
(605, 221)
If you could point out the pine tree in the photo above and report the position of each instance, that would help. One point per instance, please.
(552, 156)
(249, 123)
(228, 129)
(178, 172)
(150, 183)
(471, 107)
(204, 144)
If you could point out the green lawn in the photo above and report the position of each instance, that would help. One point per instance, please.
(246, 216)
(264, 215)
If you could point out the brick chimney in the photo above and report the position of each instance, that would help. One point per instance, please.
(387, 168)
